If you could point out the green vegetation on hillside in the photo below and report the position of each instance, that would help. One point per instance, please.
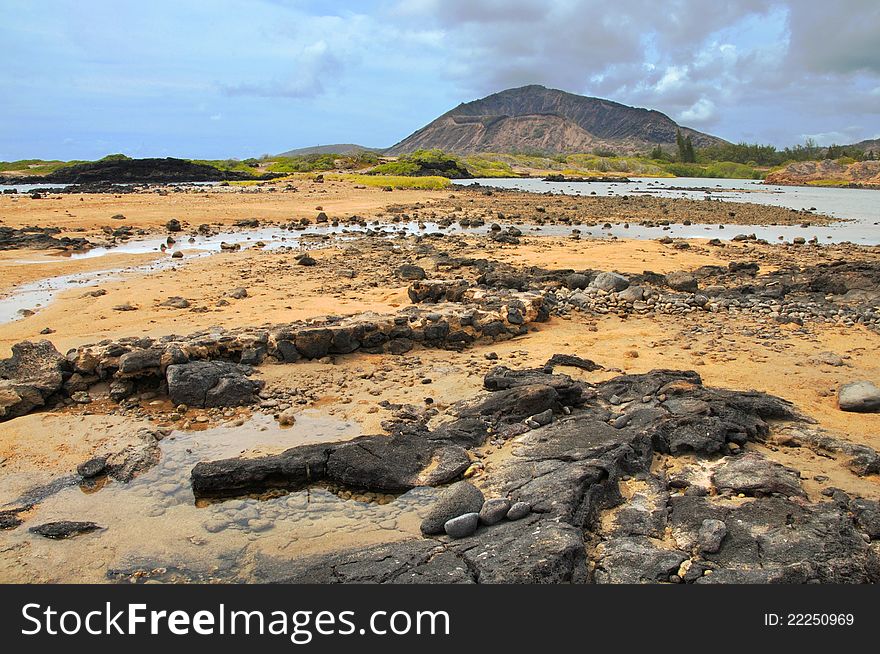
(425, 163)
(728, 161)
(311, 163)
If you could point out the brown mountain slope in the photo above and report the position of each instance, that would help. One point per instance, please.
(869, 145)
(535, 118)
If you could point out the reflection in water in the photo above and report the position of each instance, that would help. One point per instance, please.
(156, 530)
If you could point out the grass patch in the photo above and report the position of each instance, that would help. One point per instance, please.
(36, 167)
(430, 183)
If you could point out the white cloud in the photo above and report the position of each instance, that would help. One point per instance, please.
(702, 111)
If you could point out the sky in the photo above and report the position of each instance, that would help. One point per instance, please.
(241, 78)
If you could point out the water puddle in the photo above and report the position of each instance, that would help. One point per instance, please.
(155, 529)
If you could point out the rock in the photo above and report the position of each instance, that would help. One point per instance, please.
(577, 281)
(306, 260)
(753, 474)
(572, 361)
(632, 294)
(173, 225)
(92, 468)
(523, 552)
(860, 397)
(494, 510)
(396, 463)
(9, 519)
(681, 281)
(519, 510)
(175, 301)
(287, 417)
(711, 533)
(177, 254)
(610, 282)
(410, 272)
(543, 418)
(636, 560)
(121, 389)
(29, 377)
(291, 470)
(127, 306)
(139, 361)
(513, 404)
(238, 293)
(314, 343)
(867, 513)
(64, 529)
(211, 384)
(462, 526)
(460, 498)
(829, 359)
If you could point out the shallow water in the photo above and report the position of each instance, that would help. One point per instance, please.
(861, 207)
(858, 207)
(155, 529)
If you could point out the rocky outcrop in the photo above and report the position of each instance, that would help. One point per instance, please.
(212, 368)
(33, 374)
(569, 474)
(125, 170)
(39, 238)
(379, 463)
(864, 174)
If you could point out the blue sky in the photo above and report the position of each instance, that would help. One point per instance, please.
(236, 78)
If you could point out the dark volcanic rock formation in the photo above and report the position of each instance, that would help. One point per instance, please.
(138, 170)
(583, 526)
(535, 118)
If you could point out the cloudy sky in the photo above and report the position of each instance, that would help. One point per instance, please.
(240, 78)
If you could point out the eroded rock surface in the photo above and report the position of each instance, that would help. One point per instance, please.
(598, 508)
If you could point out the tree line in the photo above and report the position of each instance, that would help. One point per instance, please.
(755, 154)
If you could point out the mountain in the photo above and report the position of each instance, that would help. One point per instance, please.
(869, 145)
(335, 148)
(537, 119)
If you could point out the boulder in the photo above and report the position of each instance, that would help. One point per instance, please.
(29, 377)
(410, 272)
(610, 282)
(494, 511)
(462, 526)
(681, 281)
(460, 498)
(753, 474)
(140, 361)
(293, 469)
(860, 397)
(211, 384)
